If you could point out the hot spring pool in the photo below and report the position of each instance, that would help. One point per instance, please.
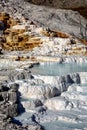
(56, 69)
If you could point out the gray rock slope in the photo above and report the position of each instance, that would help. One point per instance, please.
(57, 19)
(79, 5)
(61, 3)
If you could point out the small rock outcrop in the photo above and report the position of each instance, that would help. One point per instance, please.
(7, 124)
(22, 75)
(9, 107)
(9, 100)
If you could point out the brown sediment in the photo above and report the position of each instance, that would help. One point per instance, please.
(7, 20)
(83, 41)
(15, 39)
(51, 33)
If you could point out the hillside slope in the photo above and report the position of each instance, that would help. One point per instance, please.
(56, 19)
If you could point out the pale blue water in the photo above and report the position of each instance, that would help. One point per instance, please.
(59, 69)
(54, 69)
(60, 125)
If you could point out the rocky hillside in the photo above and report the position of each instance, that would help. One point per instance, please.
(24, 35)
(61, 3)
(79, 5)
(56, 19)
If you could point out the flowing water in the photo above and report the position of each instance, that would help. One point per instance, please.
(74, 119)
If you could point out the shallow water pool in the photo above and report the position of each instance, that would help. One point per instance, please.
(54, 69)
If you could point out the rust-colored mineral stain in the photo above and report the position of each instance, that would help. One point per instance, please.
(15, 39)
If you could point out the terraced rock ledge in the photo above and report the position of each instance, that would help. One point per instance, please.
(28, 100)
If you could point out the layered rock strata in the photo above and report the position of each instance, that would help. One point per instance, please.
(14, 37)
(10, 107)
(25, 36)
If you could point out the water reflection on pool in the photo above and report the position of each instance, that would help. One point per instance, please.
(54, 69)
